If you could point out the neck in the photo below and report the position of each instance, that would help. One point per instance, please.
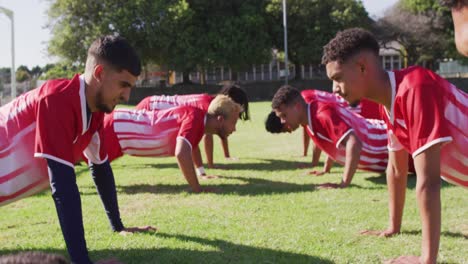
(90, 93)
(210, 125)
(304, 116)
(380, 89)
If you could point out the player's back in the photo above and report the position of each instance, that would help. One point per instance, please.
(159, 102)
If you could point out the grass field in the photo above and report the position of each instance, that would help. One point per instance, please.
(266, 210)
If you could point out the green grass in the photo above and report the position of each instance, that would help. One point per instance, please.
(266, 211)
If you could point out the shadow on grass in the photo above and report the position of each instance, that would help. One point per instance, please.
(443, 233)
(221, 252)
(411, 184)
(261, 165)
(251, 186)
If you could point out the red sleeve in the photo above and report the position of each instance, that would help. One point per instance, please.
(333, 125)
(56, 126)
(422, 109)
(192, 128)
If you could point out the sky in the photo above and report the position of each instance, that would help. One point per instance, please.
(31, 35)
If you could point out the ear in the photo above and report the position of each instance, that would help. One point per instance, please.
(98, 72)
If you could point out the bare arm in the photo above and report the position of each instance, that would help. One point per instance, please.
(427, 166)
(397, 175)
(306, 141)
(183, 153)
(209, 150)
(224, 142)
(353, 154)
(316, 151)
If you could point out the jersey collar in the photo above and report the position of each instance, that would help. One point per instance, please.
(391, 114)
(83, 105)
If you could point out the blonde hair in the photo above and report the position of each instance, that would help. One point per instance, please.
(224, 106)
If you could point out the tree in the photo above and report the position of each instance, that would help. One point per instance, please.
(311, 24)
(422, 27)
(61, 71)
(182, 34)
(23, 73)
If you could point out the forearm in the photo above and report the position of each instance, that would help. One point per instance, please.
(353, 153)
(328, 164)
(209, 149)
(396, 185)
(316, 151)
(184, 159)
(305, 141)
(105, 184)
(197, 158)
(224, 142)
(428, 194)
(68, 205)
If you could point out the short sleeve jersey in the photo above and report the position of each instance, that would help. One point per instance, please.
(159, 102)
(47, 122)
(150, 133)
(329, 124)
(426, 110)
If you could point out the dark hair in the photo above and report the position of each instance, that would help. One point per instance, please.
(273, 124)
(31, 257)
(453, 3)
(117, 52)
(239, 96)
(347, 43)
(287, 95)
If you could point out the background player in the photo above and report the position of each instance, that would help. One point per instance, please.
(174, 131)
(346, 137)
(201, 101)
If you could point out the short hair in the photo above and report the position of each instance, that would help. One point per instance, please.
(224, 106)
(273, 124)
(239, 96)
(35, 257)
(453, 3)
(117, 53)
(286, 95)
(348, 43)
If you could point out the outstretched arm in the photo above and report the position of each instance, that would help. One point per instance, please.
(183, 153)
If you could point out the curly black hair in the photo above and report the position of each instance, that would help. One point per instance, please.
(287, 95)
(273, 123)
(347, 43)
(453, 3)
(239, 96)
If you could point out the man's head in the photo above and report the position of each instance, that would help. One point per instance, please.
(274, 125)
(460, 23)
(350, 58)
(112, 68)
(288, 105)
(239, 96)
(226, 112)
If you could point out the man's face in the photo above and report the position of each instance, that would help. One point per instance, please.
(114, 88)
(289, 115)
(228, 125)
(347, 80)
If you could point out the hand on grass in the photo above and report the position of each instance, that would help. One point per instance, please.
(208, 177)
(130, 230)
(380, 233)
(404, 260)
(316, 173)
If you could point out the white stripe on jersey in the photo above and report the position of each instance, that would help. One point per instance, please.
(454, 115)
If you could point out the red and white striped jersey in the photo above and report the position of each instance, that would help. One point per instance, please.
(426, 110)
(159, 102)
(148, 133)
(329, 123)
(47, 122)
(365, 108)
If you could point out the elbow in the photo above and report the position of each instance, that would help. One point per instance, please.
(428, 186)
